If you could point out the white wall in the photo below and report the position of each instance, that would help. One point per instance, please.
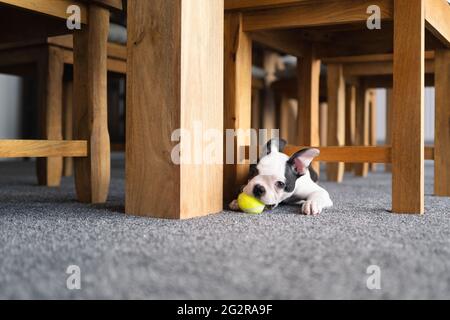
(10, 106)
(429, 115)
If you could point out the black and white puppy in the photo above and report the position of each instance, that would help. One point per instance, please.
(279, 179)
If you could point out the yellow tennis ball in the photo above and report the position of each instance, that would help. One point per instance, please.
(250, 204)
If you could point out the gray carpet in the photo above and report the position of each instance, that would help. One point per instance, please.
(276, 255)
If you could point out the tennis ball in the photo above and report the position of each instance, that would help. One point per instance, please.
(250, 204)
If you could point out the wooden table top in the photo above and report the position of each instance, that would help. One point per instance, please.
(260, 4)
(24, 20)
(110, 4)
(53, 8)
(333, 22)
(58, 8)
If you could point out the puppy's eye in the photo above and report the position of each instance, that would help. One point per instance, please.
(280, 184)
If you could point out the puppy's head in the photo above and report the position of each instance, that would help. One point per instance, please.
(274, 178)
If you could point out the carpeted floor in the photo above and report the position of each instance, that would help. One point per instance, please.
(276, 255)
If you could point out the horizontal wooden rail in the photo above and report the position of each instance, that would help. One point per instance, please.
(254, 4)
(320, 13)
(388, 57)
(52, 8)
(42, 148)
(359, 69)
(116, 51)
(112, 64)
(356, 154)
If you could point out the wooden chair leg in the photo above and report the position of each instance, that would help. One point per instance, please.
(256, 109)
(50, 78)
(92, 174)
(291, 110)
(350, 120)
(270, 107)
(362, 126)
(373, 124)
(168, 43)
(336, 118)
(288, 119)
(285, 117)
(408, 119)
(442, 125)
(115, 120)
(270, 117)
(388, 166)
(237, 113)
(256, 112)
(323, 119)
(68, 126)
(308, 75)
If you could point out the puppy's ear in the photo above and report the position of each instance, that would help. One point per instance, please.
(274, 145)
(301, 160)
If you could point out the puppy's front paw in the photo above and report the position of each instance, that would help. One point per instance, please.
(234, 205)
(311, 207)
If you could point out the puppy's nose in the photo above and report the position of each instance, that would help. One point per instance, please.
(259, 190)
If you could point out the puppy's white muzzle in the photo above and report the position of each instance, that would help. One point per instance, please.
(270, 196)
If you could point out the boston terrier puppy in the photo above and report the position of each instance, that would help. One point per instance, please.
(279, 179)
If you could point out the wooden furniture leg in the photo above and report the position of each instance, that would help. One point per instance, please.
(407, 120)
(336, 118)
(323, 119)
(92, 174)
(256, 109)
(50, 76)
(237, 113)
(114, 116)
(389, 106)
(308, 75)
(362, 126)
(350, 120)
(373, 124)
(67, 124)
(442, 125)
(174, 81)
(288, 113)
(282, 105)
(256, 113)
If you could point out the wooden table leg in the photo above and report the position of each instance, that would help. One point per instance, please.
(256, 108)
(350, 120)
(389, 106)
(323, 123)
(362, 126)
(238, 77)
(373, 124)
(408, 120)
(442, 125)
(68, 124)
(308, 75)
(336, 118)
(288, 119)
(50, 78)
(92, 174)
(174, 81)
(285, 116)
